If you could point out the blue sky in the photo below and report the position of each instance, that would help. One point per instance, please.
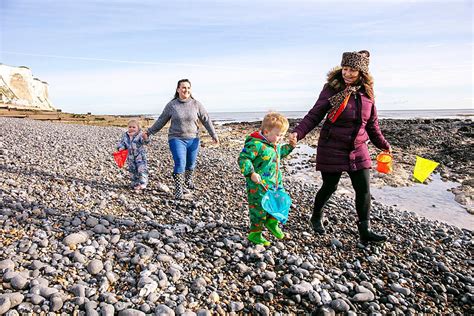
(125, 57)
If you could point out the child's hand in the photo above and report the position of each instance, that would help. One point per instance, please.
(293, 142)
(255, 177)
(293, 139)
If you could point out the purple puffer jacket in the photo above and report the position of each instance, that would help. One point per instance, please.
(342, 145)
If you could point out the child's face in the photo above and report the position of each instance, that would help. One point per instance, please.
(275, 135)
(132, 129)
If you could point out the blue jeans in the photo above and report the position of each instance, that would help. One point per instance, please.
(184, 153)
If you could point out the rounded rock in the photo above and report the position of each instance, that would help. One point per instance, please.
(95, 266)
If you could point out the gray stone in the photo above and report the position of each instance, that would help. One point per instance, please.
(47, 292)
(336, 243)
(12, 313)
(18, 282)
(174, 273)
(16, 298)
(258, 289)
(37, 299)
(107, 309)
(76, 238)
(325, 297)
(78, 290)
(314, 297)
(77, 256)
(324, 311)
(340, 305)
(95, 266)
(302, 288)
(236, 306)
(203, 312)
(164, 310)
(163, 258)
(363, 297)
(56, 303)
(392, 299)
(269, 275)
(100, 229)
(341, 288)
(262, 309)
(4, 305)
(7, 264)
(400, 289)
(131, 312)
(92, 221)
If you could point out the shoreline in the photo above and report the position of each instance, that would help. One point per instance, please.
(75, 237)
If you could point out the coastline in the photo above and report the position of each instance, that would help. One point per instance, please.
(72, 118)
(70, 225)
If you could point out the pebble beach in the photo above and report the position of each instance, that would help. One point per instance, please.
(75, 240)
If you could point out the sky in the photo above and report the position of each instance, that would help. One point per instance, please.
(126, 56)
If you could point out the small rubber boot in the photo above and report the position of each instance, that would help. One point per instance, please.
(317, 222)
(258, 239)
(188, 179)
(178, 185)
(272, 225)
(366, 235)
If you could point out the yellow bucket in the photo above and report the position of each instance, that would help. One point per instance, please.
(423, 168)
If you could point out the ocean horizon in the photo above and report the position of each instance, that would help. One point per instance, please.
(233, 117)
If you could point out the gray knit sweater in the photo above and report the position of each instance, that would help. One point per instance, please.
(184, 116)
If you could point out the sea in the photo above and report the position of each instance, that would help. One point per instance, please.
(233, 117)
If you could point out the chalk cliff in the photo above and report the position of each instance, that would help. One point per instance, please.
(19, 89)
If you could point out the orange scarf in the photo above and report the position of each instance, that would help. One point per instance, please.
(339, 101)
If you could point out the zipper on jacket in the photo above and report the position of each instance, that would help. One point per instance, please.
(358, 104)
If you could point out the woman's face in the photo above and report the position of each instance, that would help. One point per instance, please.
(350, 75)
(184, 90)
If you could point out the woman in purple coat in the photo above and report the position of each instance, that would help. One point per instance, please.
(347, 102)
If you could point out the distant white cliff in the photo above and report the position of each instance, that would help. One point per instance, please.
(19, 89)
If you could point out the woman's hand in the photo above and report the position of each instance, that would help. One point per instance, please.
(216, 141)
(145, 135)
(255, 177)
(293, 139)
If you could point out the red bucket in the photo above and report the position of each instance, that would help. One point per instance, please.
(384, 162)
(120, 157)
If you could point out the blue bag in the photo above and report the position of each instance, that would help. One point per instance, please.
(277, 203)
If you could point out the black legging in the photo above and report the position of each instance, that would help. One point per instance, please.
(360, 183)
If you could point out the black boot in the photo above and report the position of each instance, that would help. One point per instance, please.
(366, 235)
(188, 179)
(317, 222)
(178, 185)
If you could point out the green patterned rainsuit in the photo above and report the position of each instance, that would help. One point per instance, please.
(262, 157)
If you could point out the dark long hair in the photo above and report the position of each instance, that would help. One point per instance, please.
(336, 81)
(176, 94)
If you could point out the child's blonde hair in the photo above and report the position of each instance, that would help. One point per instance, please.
(134, 122)
(275, 120)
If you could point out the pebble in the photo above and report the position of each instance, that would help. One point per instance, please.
(95, 266)
(340, 305)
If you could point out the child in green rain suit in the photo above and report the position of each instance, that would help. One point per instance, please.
(259, 163)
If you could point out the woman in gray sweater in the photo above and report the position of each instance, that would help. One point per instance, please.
(183, 136)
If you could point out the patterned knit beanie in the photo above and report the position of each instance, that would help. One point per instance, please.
(357, 60)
